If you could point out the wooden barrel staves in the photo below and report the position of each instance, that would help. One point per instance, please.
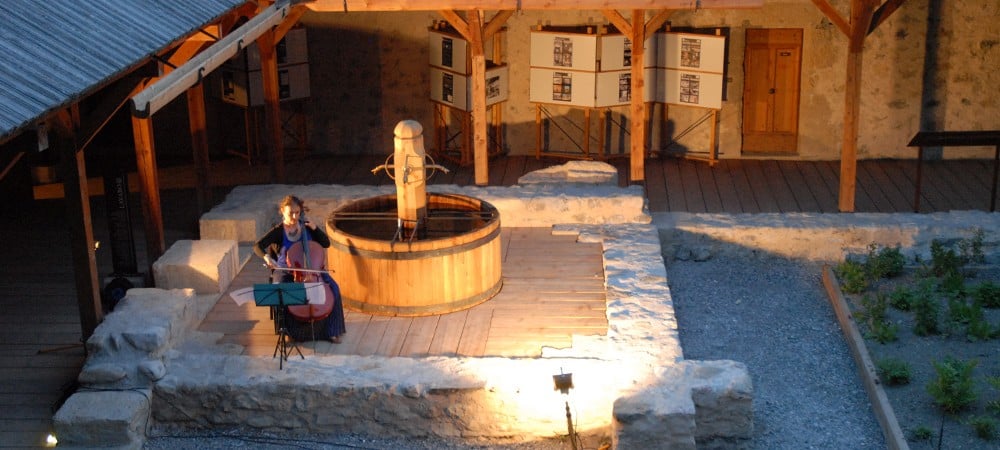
(450, 264)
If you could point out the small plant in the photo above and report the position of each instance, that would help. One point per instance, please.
(993, 406)
(901, 298)
(971, 249)
(925, 311)
(893, 372)
(922, 433)
(986, 294)
(953, 388)
(979, 330)
(952, 285)
(874, 314)
(885, 262)
(984, 426)
(962, 312)
(852, 276)
(944, 260)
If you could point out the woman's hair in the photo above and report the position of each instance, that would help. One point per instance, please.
(290, 200)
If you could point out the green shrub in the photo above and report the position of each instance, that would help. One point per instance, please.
(984, 426)
(979, 330)
(993, 406)
(922, 433)
(853, 279)
(925, 312)
(886, 262)
(952, 285)
(883, 332)
(962, 312)
(901, 298)
(953, 389)
(971, 249)
(944, 260)
(986, 294)
(893, 372)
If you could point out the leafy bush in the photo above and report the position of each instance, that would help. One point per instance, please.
(893, 372)
(885, 262)
(953, 389)
(944, 260)
(984, 426)
(980, 330)
(853, 278)
(986, 294)
(922, 433)
(925, 311)
(962, 312)
(902, 298)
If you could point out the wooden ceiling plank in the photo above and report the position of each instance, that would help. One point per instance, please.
(834, 16)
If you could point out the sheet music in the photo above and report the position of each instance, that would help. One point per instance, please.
(315, 292)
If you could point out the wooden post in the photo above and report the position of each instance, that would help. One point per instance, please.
(410, 175)
(78, 222)
(538, 131)
(861, 16)
(149, 187)
(272, 108)
(199, 144)
(637, 149)
(480, 153)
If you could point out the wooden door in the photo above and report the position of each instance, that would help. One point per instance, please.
(772, 65)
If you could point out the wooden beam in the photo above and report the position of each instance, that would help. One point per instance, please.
(618, 20)
(637, 107)
(480, 155)
(199, 145)
(834, 16)
(78, 221)
(457, 22)
(291, 20)
(343, 6)
(883, 12)
(149, 187)
(657, 21)
(496, 24)
(272, 107)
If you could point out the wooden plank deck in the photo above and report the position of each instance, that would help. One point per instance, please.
(40, 332)
(553, 289)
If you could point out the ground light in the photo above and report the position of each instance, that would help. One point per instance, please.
(51, 441)
(563, 383)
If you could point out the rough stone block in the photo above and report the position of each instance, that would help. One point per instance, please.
(103, 419)
(658, 417)
(585, 172)
(207, 266)
(243, 226)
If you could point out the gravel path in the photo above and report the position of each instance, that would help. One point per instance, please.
(771, 314)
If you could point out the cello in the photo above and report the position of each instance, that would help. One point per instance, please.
(309, 321)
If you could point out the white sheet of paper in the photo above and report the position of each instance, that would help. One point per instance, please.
(315, 292)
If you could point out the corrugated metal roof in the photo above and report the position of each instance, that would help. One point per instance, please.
(54, 51)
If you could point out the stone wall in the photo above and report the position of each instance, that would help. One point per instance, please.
(370, 70)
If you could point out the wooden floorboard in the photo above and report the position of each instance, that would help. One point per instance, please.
(559, 281)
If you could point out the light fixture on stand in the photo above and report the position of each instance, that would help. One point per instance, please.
(563, 383)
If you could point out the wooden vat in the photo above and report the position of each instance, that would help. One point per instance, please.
(452, 264)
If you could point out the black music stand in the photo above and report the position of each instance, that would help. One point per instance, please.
(280, 295)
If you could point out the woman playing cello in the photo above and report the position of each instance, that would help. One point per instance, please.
(289, 239)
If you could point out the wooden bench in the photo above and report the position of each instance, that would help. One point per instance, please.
(956, 139)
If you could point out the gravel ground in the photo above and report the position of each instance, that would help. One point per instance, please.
(771, 314)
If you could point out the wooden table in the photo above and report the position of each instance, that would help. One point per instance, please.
(956, 139)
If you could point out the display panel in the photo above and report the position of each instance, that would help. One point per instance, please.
(689, 88)
(564, 51)
(449, 52)
(455, 90)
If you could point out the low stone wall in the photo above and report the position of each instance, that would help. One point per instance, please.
(821, 237)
